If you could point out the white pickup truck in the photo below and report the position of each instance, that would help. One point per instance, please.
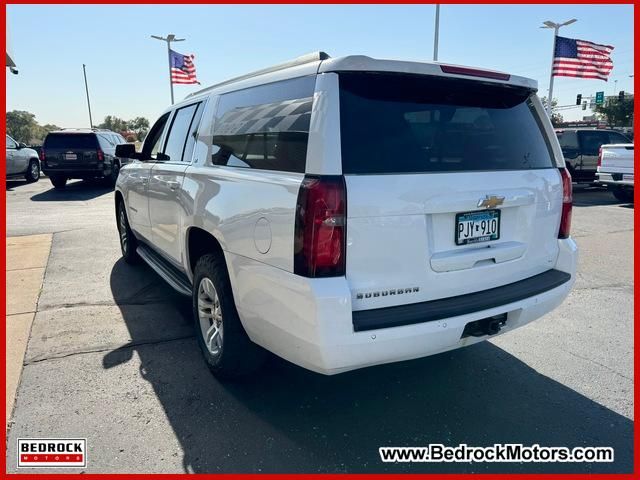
(615, 170)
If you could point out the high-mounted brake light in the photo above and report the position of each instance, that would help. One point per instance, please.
(320, 227)
(567, 204)
(473, 72)
(100, 155)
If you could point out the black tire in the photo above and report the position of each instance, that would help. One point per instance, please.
(33, 171)
(237, 355)
(128, 241)
(623, 194)
(58, 181)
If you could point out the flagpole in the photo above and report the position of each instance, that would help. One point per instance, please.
(169, 38)
(169, 57)
(436, 33)
(553, 57)
(86, 87)
(556, 28)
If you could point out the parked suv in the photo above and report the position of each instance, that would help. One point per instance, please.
(22, 162)
(580, 147)
(81, 153)
(346, 212)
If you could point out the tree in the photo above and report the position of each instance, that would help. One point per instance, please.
(556, 118)
(140, 126)
(23, 127)
(615, 112)
(114, 124)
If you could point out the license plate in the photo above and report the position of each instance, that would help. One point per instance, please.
(70, 156)
(476, 227)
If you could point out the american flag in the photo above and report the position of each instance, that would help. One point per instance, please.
(182, 68)
(579, 58)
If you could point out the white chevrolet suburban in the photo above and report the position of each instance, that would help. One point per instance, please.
(347, 212)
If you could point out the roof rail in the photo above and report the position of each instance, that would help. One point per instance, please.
(93, 129)
(308, 58)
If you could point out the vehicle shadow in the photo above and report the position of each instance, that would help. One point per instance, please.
(286, 419)
(588, 196)
(74, 191)
(11, 184)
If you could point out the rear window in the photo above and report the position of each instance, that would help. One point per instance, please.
(70, 140)
(392, 123)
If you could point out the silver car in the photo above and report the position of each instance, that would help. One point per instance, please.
(22, 161)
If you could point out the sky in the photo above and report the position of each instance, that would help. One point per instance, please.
(128, 71)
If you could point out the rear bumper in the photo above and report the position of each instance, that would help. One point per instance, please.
(86, 172)
(310, 321)
(624, 179)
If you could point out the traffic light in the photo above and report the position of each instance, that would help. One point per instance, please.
(621, 96)
(579, 99)
(584, 105)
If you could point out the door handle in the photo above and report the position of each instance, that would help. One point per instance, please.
(173, 185)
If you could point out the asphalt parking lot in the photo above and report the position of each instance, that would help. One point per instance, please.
(112, 358)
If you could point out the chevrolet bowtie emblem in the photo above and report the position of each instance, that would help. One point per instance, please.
(490, 201)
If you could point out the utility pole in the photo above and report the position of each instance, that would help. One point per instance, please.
(436, 34)
(556, 28)
(169, 38)
(86, 87)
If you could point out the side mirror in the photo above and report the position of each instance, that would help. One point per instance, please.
(126, 150)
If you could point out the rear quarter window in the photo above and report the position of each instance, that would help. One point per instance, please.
(394, 123)
(265, 127)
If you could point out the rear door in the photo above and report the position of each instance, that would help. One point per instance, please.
(165, 205)
(452, 187)
(590, 143)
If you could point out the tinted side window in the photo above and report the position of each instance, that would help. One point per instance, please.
(152, 140)
(615, 137)
(265, 127)
(568, 141)
(10, 142)
(105, 141)
(178, 133)
(193, 132)
(592, 140)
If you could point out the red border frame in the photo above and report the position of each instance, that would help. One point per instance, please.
(636, 432)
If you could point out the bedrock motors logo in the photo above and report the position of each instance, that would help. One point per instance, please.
(52, 452)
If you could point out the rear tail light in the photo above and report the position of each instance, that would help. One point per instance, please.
(599, 157)
(567, 204)
(100, 155)
(42, 155)
(320, 228)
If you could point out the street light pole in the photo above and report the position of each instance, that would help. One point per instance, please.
(436, 34)
(169, 38)
(556, 28)
(86, 87)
